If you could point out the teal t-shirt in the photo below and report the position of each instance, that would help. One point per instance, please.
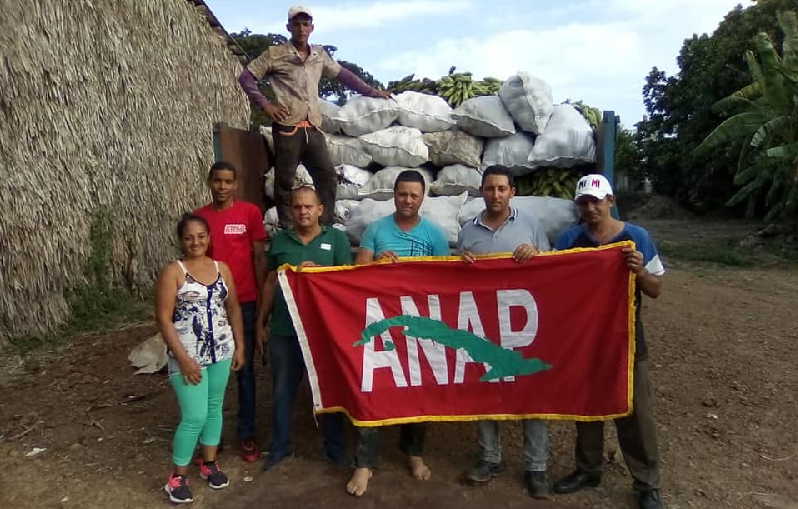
(425, 239)
(330, 247)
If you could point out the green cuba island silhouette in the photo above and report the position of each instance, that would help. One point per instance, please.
(502, 362)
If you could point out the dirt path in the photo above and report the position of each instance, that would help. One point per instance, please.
(723, 360)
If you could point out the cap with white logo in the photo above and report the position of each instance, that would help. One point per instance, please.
(593, 185)
(298, 9)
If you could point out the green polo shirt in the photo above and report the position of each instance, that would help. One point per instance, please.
(330, 247)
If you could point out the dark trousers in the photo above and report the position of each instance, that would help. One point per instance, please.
(637, 436)
(308, 146)
(246, 376)
(411, 442)
(288, 369)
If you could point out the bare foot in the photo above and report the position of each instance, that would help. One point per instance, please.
(359, 482)
(418, 468)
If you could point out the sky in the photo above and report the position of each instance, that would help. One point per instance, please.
(597, 51)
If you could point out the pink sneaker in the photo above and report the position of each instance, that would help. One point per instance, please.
(178, 490)
(215, 477)
(249, 451)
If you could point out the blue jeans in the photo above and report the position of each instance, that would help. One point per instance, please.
(246, 376)
(536, 443)
(288, 369)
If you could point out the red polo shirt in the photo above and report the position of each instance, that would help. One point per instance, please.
(233, 231)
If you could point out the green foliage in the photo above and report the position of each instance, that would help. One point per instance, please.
(764, 124)
(628, 156)
(680, 110)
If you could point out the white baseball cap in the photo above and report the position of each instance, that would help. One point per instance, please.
(593, 185)
(298, 9)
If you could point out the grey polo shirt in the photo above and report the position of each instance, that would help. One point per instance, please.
(519, 228)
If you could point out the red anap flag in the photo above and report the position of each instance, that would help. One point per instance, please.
(436, 339)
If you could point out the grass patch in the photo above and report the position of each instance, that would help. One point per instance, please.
(722, 252)
(90, 314)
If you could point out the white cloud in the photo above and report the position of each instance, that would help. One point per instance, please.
(328, 19)
(603, 63)
(565, 56)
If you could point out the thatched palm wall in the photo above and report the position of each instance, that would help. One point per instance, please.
(104, 105)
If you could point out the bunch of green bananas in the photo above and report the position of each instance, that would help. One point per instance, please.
(425, 86)
(488, 86)
(591, 114)
(456, 88)
(555, 182)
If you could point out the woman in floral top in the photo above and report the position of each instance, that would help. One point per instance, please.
(200, 320)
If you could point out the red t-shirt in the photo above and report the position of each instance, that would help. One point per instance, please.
(233, 230)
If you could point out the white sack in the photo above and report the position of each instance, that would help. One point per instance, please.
(351, 180)
(343, 209)
(396, 146)
(346, 150)
(510, 152)
(329, 117)
(528, 100)
(484, 116)
(428, 113)
(456, 179)
(266, 132)
(301, 178)
(271, 221)
(364, 214)
(362, 115)
(566, 142)
(555, 214)
(454, 147)
(443, 210)
(380, 186)
(149, 356)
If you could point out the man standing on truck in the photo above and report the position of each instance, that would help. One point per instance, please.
(238, 239)
(637, 433)
(501, 228)
(294, 70)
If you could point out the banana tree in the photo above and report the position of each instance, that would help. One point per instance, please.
(764, 115)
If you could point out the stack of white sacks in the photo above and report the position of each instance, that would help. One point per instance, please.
(520, 129)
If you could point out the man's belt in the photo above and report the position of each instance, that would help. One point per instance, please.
(287, 130)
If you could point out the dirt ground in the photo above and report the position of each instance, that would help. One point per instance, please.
(723, 362)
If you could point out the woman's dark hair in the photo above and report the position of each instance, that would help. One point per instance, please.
(410, 176)
(187, 218)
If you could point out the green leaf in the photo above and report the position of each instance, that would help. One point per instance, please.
(732, 129)
(744, 193)
(755, 69)
(789, 49)
(791, 203)
(737, 101)
(789, 151)
(746, 175)
(774, 212)
(775, 187)
(770, 128)
(772, 81)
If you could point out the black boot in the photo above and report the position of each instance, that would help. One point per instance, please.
(537, 484)
(576, 481)
(649, 499)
